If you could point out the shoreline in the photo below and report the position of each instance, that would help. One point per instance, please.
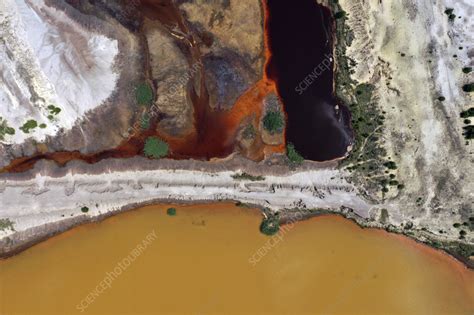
(23, 240)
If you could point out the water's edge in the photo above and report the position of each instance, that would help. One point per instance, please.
(23, 240)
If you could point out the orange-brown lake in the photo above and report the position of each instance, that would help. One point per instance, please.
(212, 259)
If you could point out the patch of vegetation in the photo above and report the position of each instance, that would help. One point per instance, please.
(42, 126)
(390, 165)
(249, 132)
(467, 69)
(270, 225)
(340, 15)
(6, 224)
(144, 94)
(468, 87)
(171, 211)
(293, 156)
(5, 129)
(53, 110)
(85, 209)
(155, 148)
(29, 125)
(441, 98)
(273, 122)
(468, 132)
(246, 176)
(448, 11)
(467, 113)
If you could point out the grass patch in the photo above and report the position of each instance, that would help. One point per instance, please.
(246, 176)
(273, 122)
(155, 148)
(144, 94)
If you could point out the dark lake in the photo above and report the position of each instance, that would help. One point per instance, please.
(301, 41)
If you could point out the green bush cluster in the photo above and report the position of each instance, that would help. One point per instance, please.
(144, 94)
(29, 125)
(6, 224)
(293, 156)
(5, 129)
(270, 225)
(468, 87)
(273, 122)
(171, 211)
(155, 148)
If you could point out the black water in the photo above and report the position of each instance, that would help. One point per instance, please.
(301, 42)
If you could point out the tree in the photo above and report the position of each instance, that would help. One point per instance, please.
(293, 156)
(144, 94)
(273, 122)
(155, 148)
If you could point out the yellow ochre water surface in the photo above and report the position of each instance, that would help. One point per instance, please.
(212, 259)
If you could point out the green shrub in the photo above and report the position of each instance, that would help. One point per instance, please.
(53, 110)
(448, 11)
(293, 156)
(339, 15)
(468, 87)
(171, 211)
(468, 132)
(85, 209)
(441, 98)
(5, 129)
(29, 125)
(270, 225)
(144, 94)
(155, 148)
(467, 113)
(6, 224)
(466, 69)
(390, 165)
(273, 122)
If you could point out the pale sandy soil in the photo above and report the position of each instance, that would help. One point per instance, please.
(406, 49)
(43, 198)
(49, 59)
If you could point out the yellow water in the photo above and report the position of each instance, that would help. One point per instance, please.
(206, 260)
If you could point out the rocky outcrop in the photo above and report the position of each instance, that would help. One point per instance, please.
(230, 37)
